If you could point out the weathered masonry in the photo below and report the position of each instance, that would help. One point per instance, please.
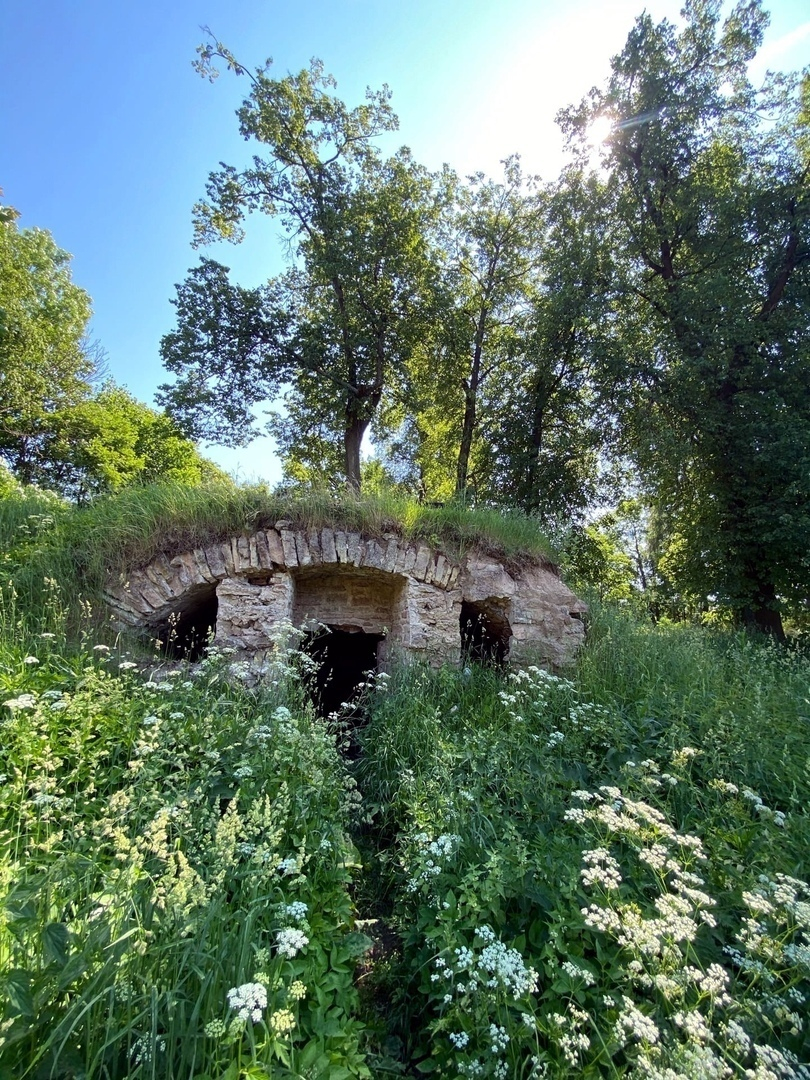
(406, 597)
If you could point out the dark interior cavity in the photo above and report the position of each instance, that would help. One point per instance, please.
(485, 632)
(342, 660)
(189, 630)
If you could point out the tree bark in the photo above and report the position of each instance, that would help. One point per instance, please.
(471, 387)
(352, 440)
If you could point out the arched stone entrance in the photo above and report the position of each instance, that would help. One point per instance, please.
(418, 601)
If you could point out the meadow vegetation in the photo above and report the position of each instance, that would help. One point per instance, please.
(594, 873)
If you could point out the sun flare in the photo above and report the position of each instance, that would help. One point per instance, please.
(599, 130)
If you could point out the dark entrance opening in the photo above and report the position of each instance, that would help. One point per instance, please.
(342, 659)
(485, 632)
(189, 630)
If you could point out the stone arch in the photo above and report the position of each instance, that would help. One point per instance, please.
(191, 625)
(420, 599)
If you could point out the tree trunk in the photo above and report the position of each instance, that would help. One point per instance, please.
(763, 615)
(352, 440)
(471, 386)
(467, 429)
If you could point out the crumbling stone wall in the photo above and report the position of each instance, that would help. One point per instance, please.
(413, 593)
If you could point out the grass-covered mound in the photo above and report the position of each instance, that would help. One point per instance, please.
(43, 537)
(595, 875)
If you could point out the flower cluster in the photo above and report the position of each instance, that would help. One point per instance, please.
(248, 1001)
(489, 965)
(430, 855)
(290, 941)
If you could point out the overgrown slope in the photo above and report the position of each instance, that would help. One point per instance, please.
(596, 875)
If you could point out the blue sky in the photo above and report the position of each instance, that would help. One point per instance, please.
(107, 135)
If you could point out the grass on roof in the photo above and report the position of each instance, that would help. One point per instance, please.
(42, 537)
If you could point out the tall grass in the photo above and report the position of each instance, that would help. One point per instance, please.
(170, 847)
(745, 702)
(601, 875)
(79, 547)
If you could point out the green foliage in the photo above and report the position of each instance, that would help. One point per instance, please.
(170, 846)
(44, 363)
(497, 404)
(701, 345)
(343, 319)
(55, 431)
(598, 876)
(110, 441)
(594, 560)
(459, 369)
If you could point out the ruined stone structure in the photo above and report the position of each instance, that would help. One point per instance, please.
(407, 597)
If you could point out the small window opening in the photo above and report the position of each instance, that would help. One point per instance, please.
(485, 632)
(189, 630)
(343, 658)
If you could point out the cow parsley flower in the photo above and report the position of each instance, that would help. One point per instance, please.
(290, 941)
(282, 1022)
(248, 1001)
(24, 701)
(297, 910)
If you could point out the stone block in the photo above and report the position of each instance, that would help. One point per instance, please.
(132, 599)
(161, 580)
(314, 545)
(328, 552)
(484, 577)
(150, 595)
(288, 547)
(186, 569)
(391, 553)
(423, 558)
(263, 558)
(216, 563)
(373, 555)
(202, 565)
(439, 571)
(227, 557)
(302, 549)
(341, 546)
(275, 547)
(354, 549)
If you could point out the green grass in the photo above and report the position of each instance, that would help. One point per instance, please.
(596, 875)
(80, 547)
(491, 800)
(159, 837)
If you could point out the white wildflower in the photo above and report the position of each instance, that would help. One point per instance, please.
(248, 1001)
(290, 941)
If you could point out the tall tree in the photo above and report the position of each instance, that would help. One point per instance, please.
(45, 363)
(547, 435)
(344, 317)
(707, 325)
(457, 373)
(496, 245)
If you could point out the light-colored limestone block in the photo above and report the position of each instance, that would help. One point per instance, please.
(288, 546)
(275, 547)
(328, 552)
